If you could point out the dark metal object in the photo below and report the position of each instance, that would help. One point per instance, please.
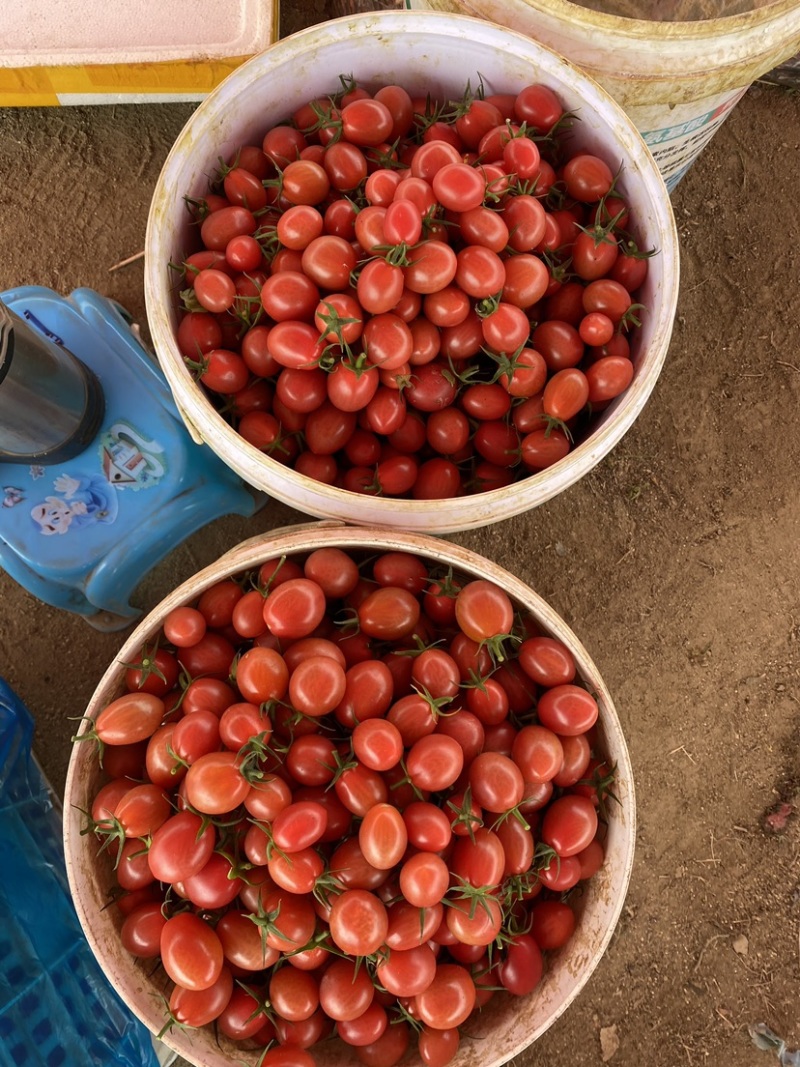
(51, 404)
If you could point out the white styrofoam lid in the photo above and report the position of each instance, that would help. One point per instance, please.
(59, 32)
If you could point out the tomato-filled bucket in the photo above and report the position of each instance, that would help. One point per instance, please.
(507, 1024)
(426, 53)
(678, 79)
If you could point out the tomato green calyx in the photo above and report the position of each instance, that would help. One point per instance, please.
(147, 665)
(335, 324)
(630, 318)
(448, 587)
(197, 208)
(326, 886)
(456, 109)
(403, 1015)
(475, 681)
(172, 1021)
(327, 119)
(198, 367)
(553, 140)
(543, 856)
(189, 301)
(558, 265)
(238, 867)
(320, 939)
(464, 814)
(252, 755)
(359, 365)
(183, 267)
(431, 219)
(267, 922)
(420, 646)
(506, 363)
(512, 813)
(396, 255)
(629, 247)
(263, 1004)
(347, 621)
(386, 159)
(603, 785)
(348, 83)
(407, 780)
(476, 895)
(518, 887)
(495, 645)
(267, 237)
(552, 423)
(267, 1048)
(178, 762)
(247, 310)
(488, 305)
(469, 376)
(341, 764)
(109, 830)
(89, 734)
(217, 180)
(603, 234)
(436, 704)
(514, 926)
(432, 114)
(265, 587)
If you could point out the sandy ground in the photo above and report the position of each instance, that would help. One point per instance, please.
(675, 561)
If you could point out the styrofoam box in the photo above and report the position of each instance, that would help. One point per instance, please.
(94, 51)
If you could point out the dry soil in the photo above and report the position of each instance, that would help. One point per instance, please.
(676, 561)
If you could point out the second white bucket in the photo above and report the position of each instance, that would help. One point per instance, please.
(678, 81)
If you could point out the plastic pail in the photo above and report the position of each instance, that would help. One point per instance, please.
(507, 1024)
(678, 81)
(423, 51)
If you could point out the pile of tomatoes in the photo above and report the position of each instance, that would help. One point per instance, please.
(348, 794)
(413, 298)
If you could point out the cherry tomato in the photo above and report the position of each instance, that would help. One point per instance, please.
(567, 709)
(553, 924)
(569, 824)
(496, 782)
(191, 951)
(587, 177)
(130, 718)
(521, 968)
(448, 1000)
(484, 610)
(382, 836)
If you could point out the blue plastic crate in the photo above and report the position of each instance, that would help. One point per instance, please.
(56, 1006)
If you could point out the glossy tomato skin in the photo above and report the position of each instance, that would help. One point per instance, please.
(547, 661)
(345, 991)
(553, 924)
(521, 969)
(448, 1000)
(191, 951)
(569, 824)
(483, 610)
(567, 709)
(130, 718)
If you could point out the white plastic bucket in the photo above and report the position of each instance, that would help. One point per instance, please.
(424, 52)
(678, 81)
(506, 1026)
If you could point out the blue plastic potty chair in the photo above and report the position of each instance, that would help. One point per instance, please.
(83, 521)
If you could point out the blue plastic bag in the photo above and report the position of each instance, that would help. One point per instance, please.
(57, 1009)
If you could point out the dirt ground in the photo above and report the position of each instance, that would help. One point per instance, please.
(676, 561)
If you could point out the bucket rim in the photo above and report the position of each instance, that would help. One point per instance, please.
(317, 498)
(724, 28)
(306, 537)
